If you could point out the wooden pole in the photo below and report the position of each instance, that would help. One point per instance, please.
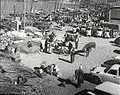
(110, 15)
(55, 6)
(14, 11)
(31, 6)
(24, 13)
(58, 4)
(61, 3)
(75, 4)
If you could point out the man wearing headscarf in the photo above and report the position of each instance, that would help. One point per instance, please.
(41, 47)
(70, 47)
(46, 45)
(76, 41)
(72, 55)
(79, 76)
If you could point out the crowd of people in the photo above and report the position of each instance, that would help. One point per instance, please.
(90, 22)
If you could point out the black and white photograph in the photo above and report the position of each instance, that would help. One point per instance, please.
(59, 47)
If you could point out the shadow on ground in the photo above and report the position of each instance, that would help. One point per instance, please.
(116, 45)
(72, 81)
(66, 81)
(117, 51)
(84, 92)
(78, 52)
(64, 60)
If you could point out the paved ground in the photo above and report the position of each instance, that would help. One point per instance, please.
(103, 52)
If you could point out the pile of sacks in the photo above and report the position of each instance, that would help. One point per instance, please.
(50, 69)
